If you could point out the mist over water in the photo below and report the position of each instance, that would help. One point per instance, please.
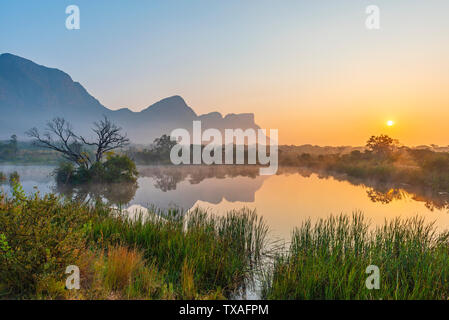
(284, 200)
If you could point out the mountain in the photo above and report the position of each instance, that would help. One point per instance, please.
(31, 94)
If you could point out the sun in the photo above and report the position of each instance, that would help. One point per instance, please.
(390, 123)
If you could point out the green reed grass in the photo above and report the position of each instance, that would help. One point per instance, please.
(328, 260)
(195, 249)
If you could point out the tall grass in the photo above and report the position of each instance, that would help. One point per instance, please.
(157, 256)
(199, 253)
(125, 272)
(328, 260)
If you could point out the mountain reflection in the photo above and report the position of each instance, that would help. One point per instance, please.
(168, 177)
(184, 186)
(168, 186)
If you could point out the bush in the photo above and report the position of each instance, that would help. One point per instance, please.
(39, 238)
(116, 169)
(64, 173)
(119, 169)
(14, 178)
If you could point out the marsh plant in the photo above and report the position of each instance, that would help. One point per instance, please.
(164, 255)
(328, 259)
(198, 252)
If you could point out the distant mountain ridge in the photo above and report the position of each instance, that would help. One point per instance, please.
(31, 94)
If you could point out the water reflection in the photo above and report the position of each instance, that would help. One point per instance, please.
(168, 186)
(284, 200)
(383, 193)
(113, 194)
(168, 177)
(183, 186)
(385, 197)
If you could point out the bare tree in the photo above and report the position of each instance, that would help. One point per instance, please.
(59, 136)
(109, 137)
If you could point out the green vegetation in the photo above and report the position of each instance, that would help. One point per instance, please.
(20, 152)
(39, 237)
(115, 169)
(2, 177)
(157, 153)
(85, 159)
(328, 261)
(14, 178)
(9, 149)
(197, 252)
(383, 161)
(158, 256)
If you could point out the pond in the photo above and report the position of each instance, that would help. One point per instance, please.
(284, 200)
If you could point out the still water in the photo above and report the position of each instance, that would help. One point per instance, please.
(284, 200)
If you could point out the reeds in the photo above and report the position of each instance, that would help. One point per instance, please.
(328, 260)
(199, 253)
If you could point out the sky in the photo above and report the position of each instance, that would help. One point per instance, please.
(310, 69)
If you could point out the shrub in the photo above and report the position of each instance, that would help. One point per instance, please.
(119, 169)
(116, 169)
(65, 173)
(39, 238)
(14, 178)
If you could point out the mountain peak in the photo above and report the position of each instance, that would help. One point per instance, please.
(12, 58)
(171, 101)
(20, 67)
(174, 104)
(175, 98)
(9, 55)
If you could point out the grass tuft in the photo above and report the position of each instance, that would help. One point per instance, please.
(328, 260)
